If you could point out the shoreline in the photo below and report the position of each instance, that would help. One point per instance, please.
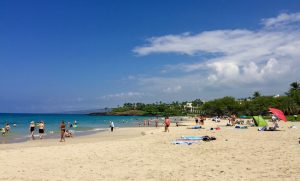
(119, 134)
(19, 137)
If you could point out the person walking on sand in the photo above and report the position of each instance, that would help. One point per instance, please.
(62, 131)
(31, 129)
(167, 124)
(111, 125)
(41, 129)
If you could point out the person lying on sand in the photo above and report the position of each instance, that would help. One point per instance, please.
(68, 134)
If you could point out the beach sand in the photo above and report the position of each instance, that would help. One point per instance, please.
(146, 153)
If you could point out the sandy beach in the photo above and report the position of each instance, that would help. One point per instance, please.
(146, 153)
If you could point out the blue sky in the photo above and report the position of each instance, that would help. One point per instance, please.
(74, 55)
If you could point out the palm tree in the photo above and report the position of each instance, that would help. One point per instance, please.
(294, 92)
(256, 94)
(295, 86)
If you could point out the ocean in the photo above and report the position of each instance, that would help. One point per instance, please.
(87, 124)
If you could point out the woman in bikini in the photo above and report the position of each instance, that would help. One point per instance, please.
(62, 131)
(31, 129)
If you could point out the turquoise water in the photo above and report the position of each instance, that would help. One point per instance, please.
(86, 124)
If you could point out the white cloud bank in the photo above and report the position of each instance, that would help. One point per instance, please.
(268, 57)
(281, 20)
(122, 95)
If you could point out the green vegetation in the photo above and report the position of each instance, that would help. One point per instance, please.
(255, 105)
(157, 109)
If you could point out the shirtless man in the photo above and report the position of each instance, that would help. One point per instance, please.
(41, 129)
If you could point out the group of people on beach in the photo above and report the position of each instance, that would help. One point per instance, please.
(166, 123)
(148, 122)
(200, 119)
(41, 129)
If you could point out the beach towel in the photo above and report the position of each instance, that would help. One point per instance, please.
(195, 127)
(188, 140)
(192, 137)
(264, 128)
(182, 142)
(241, 127)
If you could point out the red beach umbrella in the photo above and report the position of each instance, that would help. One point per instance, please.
(278, 113)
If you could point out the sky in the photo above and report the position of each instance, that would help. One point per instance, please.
(58, 56)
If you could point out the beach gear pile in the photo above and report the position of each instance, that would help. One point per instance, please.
(189, 140)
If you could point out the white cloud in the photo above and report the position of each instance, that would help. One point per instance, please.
(173, 89)
(281, 20)
(122, 95)
(268, 58)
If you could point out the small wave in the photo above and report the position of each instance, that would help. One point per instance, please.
(98, 129)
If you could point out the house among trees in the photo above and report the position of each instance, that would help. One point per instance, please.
(189, 107)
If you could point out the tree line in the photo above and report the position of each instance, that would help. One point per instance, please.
(256, 104)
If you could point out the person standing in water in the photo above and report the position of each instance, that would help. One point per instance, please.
(41, 129)
(62, 131)
(111, 125)
(31, 129)
(7, 128)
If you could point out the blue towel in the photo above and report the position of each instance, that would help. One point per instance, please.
(196, 127)
(192, 137)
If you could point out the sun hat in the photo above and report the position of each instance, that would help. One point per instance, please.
(32, 122)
